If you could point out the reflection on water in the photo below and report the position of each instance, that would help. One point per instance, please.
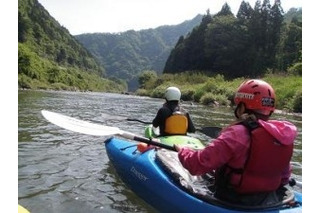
(63, 171)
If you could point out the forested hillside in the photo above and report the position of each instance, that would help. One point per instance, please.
(255, 41)
(125, 55)
(50, 58)
(209, 63)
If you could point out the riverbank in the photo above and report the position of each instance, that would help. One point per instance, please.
(217, 91)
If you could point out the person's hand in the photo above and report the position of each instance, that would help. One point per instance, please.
(156, 140)
(177, 147)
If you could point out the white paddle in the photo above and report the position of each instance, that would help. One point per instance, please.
(89, 128)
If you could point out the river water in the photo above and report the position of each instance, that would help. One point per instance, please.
(60, 171)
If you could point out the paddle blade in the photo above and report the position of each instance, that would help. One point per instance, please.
(211, 131)
(88, 128)
(80, 126)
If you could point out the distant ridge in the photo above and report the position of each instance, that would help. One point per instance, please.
(125, 55)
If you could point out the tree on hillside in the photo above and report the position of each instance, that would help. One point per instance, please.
(189, 53)
(264, 28)
(147, 79)
(24, 26)
(177, 58)
(290, 45)
(272, 18)
(245, 13)
(227, 47)
(276, 23)
(195, 45)
(225, 11)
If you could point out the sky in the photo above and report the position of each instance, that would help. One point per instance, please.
(112, 16)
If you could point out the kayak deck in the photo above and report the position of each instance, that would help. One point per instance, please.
(184, 140)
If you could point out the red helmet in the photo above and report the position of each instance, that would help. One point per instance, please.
(257, 95)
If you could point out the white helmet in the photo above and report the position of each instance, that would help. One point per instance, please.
(172, 94)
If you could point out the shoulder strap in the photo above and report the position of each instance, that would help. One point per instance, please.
(250, 124)
(226, 171)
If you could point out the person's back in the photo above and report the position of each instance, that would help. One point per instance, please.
(251, 157)
(262, 161)
(171, 118)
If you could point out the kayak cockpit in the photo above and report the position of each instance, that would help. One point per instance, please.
(202, 187)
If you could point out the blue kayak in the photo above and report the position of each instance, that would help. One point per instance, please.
(147, 175)
(156, 174)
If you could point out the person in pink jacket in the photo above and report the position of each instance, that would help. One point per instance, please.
(251, 157)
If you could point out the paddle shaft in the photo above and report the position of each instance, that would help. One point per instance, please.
(140, 121)
(147, 141)
(212, 132)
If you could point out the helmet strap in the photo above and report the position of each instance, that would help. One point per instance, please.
(235, 111)
(239, 110)
(259, 115)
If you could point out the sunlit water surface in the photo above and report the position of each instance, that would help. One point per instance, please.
(63, 171)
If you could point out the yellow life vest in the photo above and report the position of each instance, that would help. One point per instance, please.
(176, 124)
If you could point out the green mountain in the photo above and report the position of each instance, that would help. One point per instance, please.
(49, 57)
(249, 44)
(125, 55)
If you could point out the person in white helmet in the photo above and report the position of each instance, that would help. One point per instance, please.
(171, 118)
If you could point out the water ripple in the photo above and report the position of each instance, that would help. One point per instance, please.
(63, 171)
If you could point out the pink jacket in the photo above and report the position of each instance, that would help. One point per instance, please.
(232, 147)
